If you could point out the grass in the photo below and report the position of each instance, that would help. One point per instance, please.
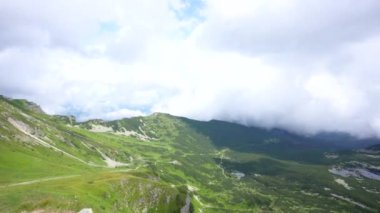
(103, 192)
(280, 174)
(20, 163)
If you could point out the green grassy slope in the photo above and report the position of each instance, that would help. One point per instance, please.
(36, 177)
(166, 160)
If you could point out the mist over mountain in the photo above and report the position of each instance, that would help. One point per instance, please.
(165, 163)
(306, 67)
(191, 106)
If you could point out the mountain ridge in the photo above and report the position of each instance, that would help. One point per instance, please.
(164, 163)
(342, 140)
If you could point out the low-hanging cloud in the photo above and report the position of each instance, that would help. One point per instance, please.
(306, 66)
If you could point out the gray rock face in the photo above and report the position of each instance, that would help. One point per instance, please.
(358, 170)
(186, 207)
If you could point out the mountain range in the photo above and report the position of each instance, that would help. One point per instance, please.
(166, 163)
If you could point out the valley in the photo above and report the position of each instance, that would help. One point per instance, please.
(164, 163)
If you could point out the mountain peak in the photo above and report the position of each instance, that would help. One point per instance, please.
(24, 104)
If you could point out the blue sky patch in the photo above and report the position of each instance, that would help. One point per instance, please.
(108, 27)
(191, 9)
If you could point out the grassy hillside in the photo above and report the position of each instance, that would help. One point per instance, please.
(163, 163)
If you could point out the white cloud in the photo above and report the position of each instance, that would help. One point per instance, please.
(304, 66)
(113, 115)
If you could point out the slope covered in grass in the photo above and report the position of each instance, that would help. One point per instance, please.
(170, 163)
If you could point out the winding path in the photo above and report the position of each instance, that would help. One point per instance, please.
(39, 181)
(24, 129)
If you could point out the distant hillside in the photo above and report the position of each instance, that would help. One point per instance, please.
(164, 163)
(375, 147)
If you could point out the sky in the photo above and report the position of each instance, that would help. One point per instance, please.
(307, 66)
